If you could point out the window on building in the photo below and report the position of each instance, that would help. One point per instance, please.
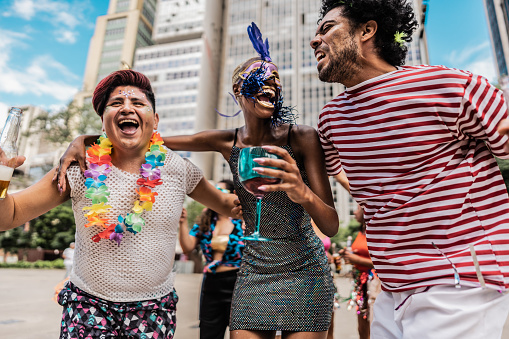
(122, 5)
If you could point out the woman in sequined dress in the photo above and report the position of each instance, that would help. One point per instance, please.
(284, 284)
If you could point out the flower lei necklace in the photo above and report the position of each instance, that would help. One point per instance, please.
(99, 157)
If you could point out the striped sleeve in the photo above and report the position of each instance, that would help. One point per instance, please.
(332, 162)
(482, 108)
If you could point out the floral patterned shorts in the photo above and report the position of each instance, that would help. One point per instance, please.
(89, 317)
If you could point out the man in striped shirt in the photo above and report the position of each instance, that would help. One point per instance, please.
(417, 146)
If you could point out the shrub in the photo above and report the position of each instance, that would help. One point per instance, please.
(43, 264)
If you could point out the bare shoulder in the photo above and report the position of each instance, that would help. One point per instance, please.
(305, 142)
(223, 139)
(304, 136)
(304, 131)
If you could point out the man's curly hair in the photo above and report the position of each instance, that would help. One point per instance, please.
(391, 16)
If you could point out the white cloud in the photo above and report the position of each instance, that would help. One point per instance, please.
(477, 59)
(469, 52)
(484, 67)
(10, 39)
(24, 9)
(66, 36)
(39, 77)
(64, 15)
(56, 107)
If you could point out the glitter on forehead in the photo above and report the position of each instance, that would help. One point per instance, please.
(127, 94)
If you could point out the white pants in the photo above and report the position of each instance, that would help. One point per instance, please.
(440, 312)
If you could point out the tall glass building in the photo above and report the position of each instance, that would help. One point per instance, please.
(497, 12)
(183, 66)
(127, 26)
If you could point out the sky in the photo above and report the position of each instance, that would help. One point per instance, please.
(43, 50)
(44, 46)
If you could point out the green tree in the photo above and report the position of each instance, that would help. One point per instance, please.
(341, 237)
(12, 240)
(503, 164)
(194, 209)
(67, 123)
(54, 229)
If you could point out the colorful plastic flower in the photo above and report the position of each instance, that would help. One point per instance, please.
(145, 206)
(97, 150)
(117, 237)
(147, 171)
(153, 161)
(90, 182)
(100, 159)
(104, 234)
(137, 208)
(95, 171)
(134, 222)
(99, 167)
(97, 195)
(105, 142)
(156, 139)
(157, 151)
(146, 194)
(149, 183)
(96, 221)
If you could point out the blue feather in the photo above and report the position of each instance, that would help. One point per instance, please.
(256, 39)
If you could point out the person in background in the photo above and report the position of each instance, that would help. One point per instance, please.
(68, 256)
(327, 246)
(220, 239)
(366, 283)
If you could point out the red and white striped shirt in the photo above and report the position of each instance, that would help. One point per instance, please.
(415, 145)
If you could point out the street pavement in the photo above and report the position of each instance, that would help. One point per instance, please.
(27, 310)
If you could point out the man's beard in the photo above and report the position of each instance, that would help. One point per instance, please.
(342, 66)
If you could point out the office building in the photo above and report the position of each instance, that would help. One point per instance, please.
(127, 26)
(418, 47)
(497, 12)
(183, 67)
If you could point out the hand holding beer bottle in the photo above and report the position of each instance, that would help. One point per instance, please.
(9, 158)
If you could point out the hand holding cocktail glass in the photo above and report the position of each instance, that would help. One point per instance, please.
(265, 169)
(288, 172)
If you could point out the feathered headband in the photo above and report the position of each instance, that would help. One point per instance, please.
(255, 79)
(256, 39)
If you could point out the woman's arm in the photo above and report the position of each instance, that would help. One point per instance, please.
(222, 203)
(355, 259)
(316, 199)
(342, 179)
(187, 241)
(23, 206)
(211, 140)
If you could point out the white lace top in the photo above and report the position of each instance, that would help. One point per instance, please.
(141, 267)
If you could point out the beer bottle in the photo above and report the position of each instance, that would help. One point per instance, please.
(9, 148)
(336, 258)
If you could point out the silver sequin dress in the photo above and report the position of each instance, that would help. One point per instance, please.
(284, 284)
